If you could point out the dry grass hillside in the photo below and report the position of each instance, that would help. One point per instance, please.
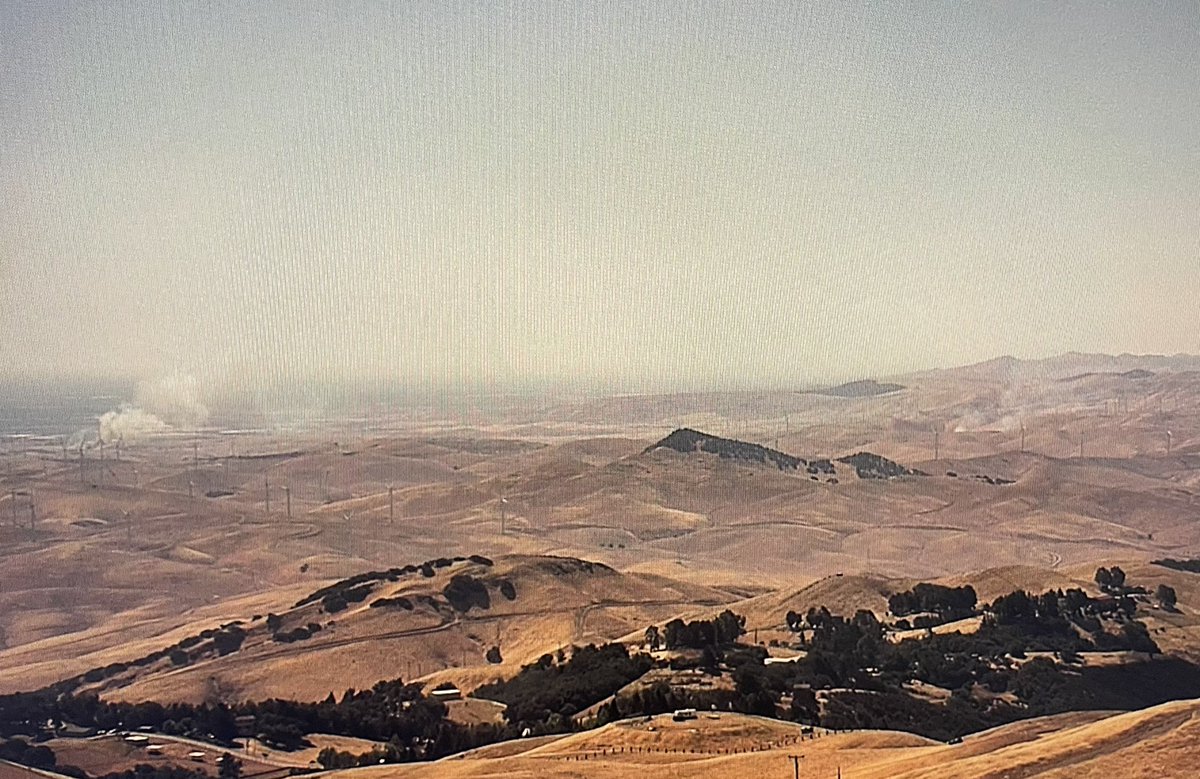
(410, 628)
(1163, 741)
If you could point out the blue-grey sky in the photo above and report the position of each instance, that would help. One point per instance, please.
(640, 195)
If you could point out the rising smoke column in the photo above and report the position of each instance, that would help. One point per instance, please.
(171, 401)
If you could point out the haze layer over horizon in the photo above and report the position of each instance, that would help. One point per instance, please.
(629, 197)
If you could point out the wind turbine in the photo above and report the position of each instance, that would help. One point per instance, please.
(503, 513)
(1169, 437)
(391, 503)
(347, 516)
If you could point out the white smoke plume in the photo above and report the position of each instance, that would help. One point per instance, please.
(172, 401)
(129, 423)
(977, 421)
(175, 399)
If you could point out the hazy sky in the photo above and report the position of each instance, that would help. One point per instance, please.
(649, 196)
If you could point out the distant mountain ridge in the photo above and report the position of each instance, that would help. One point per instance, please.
(864, 388)
(1070, 364)
(1135, 374)
(686, 441)
(866, 465)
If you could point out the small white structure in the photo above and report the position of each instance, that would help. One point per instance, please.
(197, 757)
(446, 694)
(777, 660)
(154, 749)
(137, 740)
(683, 714)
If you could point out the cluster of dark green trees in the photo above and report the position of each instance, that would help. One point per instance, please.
(546, 694)
(1189, 565)
(365, 582)
(331, 758)
(21, 751)
(415, 727)
(722, 630)
(869, 465)
(864, 675)
(1111, 579)
(465, 592)
(220, 640)
(947, 603)
(686, 440)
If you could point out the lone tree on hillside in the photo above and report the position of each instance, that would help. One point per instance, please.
(231, 767)
(1165, 594)
(1103, 578)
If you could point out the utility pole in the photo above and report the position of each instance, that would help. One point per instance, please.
(391, 503)
(287, 494)
(1022, 438)
(267, 492)
(796, 764)
(1169, 436)
(13, 498)
(936, 444)
(503, 513)
(191, 489)
(32, 512)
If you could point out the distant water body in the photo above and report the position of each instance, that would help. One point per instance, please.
(41, 408)
(45, 408)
